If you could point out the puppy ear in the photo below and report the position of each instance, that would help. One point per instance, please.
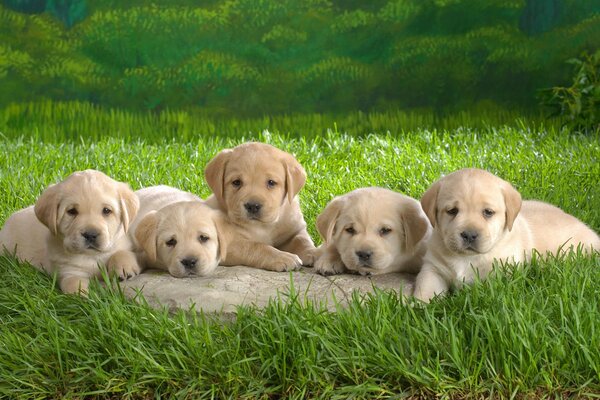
(214, 173)
(145, 235)
(327, 219)
(512, 200)
(415, 225)
(222, 243)
(429, 202)
(295, 176)
(130, 205)
(46, 207)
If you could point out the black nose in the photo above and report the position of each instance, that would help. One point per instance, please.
(189, 262)
(90, 236)
(469, 236)
(253, 208)
(364, 256)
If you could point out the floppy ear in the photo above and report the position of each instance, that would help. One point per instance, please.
(145, 235)
(295, 176)
(214, 174)
(327, 219)
(429, 202)
(415, 225)
(130, 205)
(222, 242)
(46, 207)
(512, 200)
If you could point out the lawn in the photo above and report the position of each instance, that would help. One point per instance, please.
(530, 332)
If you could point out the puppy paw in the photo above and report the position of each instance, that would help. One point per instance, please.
(74, 285)
(123, 265)
(326, 267)
(124, 272)
(308, 257)
(285, 262)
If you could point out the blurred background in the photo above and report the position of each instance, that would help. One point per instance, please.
(249, 58)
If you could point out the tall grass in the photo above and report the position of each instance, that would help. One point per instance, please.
(525, 333)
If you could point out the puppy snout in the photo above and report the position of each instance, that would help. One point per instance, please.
(189, 262)
(90, 235)
(469, 236)
(253, 208)
(364, 255)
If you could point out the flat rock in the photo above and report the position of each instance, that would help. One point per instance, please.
(230, 287)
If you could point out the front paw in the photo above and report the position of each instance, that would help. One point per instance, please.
(124, 272)
(123, 265)
(308, 257)
(284, 262)
(327, 267)
(74, 285)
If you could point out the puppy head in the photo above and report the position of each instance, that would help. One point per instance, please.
(87, 211)
(373, 238)
(183, 238)
(252, 181)
(471, 209)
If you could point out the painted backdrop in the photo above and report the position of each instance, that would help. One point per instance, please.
(255, 57)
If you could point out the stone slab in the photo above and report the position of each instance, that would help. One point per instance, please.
(230, 287)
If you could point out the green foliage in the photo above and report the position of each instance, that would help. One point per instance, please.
(540, 16)
(69, 12)
(579, 104)
(247, 57)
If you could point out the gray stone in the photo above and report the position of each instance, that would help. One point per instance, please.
(229, 287)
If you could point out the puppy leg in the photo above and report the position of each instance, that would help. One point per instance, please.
(260, 255)
(73, 284)
(429, 284)
(303, 246)
(123, 264)
(330, 262)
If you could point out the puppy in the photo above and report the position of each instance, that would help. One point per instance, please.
(81, 224)
(477, 218)
(256, 185)
(372, 231)
(176, 232)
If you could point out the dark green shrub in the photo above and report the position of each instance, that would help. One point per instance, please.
(578, 104)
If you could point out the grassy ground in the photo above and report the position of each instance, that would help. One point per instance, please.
(530, 333)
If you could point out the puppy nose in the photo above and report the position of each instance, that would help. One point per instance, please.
(253, 208)
(364, 256)
(469, 236)
(189, 262)
(90, 236)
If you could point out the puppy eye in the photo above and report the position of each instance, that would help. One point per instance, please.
(384, 231)
(72, 211)
(171, 242)
(452, 211)
(237, 183)
(351, 231)
(488, 213)
(203, 238)
(106, 211)
(271, 183)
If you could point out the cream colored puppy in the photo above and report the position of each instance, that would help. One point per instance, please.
(372, 231)
(81, 224)
(177, 232)
(477, 218)
(256, 185)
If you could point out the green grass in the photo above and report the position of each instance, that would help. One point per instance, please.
(530, 333)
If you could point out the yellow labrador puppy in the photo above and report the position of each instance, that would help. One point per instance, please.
(477, 218)
(372, 231)
(177, 232)
(256, 185)
(81, 224)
